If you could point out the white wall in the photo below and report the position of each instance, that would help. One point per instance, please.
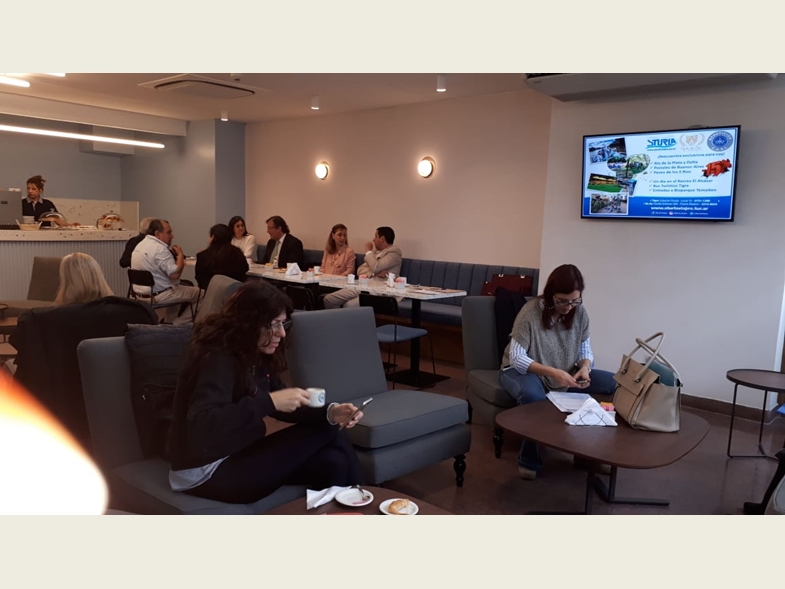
(483, 204)
(715, 289)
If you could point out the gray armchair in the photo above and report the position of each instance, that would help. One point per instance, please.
(138, 484)
(402, 431)
(218, 291)
(486, 396)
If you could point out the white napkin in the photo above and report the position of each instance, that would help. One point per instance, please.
(292, 269)
(591, 413)
(317, 498)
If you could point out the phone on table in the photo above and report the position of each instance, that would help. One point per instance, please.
(352, 416)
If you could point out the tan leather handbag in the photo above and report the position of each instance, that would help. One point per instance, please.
(648, 399)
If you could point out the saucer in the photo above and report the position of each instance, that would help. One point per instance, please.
(413, 509)
(353, 498)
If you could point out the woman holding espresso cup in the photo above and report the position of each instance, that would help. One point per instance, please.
(230, 382)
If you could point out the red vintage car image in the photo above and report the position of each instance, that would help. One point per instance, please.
(716, 168)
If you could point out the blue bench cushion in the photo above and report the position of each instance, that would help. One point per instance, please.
(432, 311)
(397, 416)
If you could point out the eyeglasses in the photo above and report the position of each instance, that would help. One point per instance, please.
(561, 303)
(277, 325)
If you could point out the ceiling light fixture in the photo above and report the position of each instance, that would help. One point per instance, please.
(14, 82)
(224, 115)
(314, 103)
(440, 86)
(425, 167)
(322, 170)
(80, 136)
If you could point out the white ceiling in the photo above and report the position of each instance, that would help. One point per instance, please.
(276, 96)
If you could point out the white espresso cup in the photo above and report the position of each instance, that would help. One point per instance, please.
(350, 279)
(28, 220)
(317, 269)
(317, 397)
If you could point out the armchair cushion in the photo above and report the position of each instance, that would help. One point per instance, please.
(485, 383)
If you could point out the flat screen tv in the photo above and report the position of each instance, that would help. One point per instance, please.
(685, 174)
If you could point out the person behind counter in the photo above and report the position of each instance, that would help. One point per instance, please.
(35, 205)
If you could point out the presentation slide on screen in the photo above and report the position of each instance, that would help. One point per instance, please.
(687, 174)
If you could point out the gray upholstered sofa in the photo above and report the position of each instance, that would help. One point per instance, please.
(457, 275)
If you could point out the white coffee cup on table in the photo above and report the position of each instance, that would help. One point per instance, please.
(317, 397)
(350, 279)
(317, 269)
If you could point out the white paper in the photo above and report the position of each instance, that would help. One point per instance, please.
(292, 269)
(591, 413)
(316, 498)
(568, 402)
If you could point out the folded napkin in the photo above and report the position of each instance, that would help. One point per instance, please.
(591, 413)
(292, 269)
(317, 498)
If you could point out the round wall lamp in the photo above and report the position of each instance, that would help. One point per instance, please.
(322, 169)
(425, 167)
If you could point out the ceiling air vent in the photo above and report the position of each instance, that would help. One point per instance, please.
(200, 87)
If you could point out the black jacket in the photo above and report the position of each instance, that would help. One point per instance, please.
(291, 251)
(228, 260)
(46, 339)
(220, 415)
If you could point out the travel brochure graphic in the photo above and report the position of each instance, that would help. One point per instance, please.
(686, 174)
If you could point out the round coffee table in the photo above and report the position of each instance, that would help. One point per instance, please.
(761, 380)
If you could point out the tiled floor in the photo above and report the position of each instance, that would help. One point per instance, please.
(703, 482)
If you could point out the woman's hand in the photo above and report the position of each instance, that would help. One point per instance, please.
(582, 377)
(565, 379)
(341, 412)
(289, 400)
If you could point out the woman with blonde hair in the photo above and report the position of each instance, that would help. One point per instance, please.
(81, 280)
(338, 258)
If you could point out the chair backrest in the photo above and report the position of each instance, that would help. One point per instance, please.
(141, 278)
(105, 365)
(338, 350)
(45, 279)
(218, 292)
(302, 298)
(478, 324)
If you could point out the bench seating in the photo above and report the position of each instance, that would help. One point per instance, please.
(457, 275)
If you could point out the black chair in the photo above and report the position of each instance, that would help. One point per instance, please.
(145, 278)
(394, 334)
(302, 297)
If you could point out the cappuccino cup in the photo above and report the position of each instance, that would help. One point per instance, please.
(317, 397)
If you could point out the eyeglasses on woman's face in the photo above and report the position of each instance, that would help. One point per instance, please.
(564, 303)
(279, 325)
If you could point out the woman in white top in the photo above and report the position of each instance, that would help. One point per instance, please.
(242, 239)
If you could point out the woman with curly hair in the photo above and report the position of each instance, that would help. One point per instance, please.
(230, 382)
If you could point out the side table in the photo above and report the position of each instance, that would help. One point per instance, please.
(762, 380)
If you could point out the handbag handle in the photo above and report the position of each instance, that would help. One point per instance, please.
(654, 353)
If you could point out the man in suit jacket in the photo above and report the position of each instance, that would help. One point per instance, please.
(381, 258)
(283, 247)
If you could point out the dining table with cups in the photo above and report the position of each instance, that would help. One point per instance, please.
(360, 500)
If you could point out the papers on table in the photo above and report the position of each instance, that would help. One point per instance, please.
(567, 402)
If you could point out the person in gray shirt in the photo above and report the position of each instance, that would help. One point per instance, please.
(549, 350)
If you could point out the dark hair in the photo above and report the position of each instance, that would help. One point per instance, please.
(387, 233)
(156, 225)
(38, 181)
(279, 222)
(238, 327)
(331, 248)
(233, 221)
(564, 279)
(221, 235)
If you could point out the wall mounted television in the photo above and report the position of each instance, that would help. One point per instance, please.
(684, 174)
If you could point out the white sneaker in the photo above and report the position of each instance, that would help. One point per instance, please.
(527, 474)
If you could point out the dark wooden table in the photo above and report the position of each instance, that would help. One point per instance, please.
(297, 507)
(619, 447)
(761, 380)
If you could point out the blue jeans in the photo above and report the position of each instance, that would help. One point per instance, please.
(528, 388)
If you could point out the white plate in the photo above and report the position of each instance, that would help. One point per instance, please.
(353, 498)
(413, 509)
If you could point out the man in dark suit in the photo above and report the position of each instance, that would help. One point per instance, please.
(283, 247)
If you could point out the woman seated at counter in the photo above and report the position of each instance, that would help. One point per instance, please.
(242, 239)
(35, 205)
(220, 257)
(338, 258)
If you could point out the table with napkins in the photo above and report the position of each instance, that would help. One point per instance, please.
(591, 413)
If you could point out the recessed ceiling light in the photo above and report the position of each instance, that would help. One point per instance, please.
(315, 103)
(224, 115)
(440, 83)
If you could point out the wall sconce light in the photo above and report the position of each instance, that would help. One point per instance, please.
(224, 115)
(425, 167)
(314, 103)
(440, 83)
(322, 170)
